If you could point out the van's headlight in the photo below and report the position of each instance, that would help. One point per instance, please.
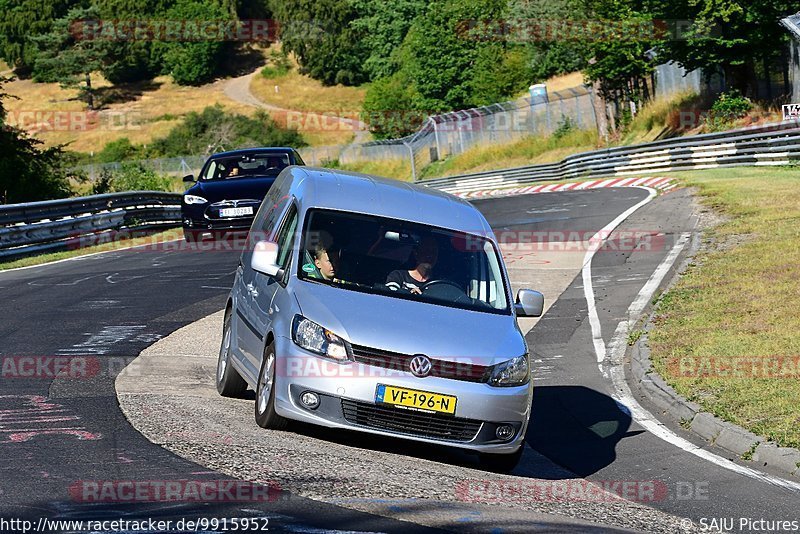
(194, 199)
(514, 372)
(312, 337)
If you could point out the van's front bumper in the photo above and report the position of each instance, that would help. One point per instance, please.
(347, 400)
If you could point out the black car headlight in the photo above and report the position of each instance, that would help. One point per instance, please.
(514, 372)
(194, 199)
(312, 337)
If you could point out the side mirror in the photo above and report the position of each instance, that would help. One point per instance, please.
(265, 259)
(530, 303)
(189, 178)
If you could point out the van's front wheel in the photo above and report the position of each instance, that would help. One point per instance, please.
(266, 416)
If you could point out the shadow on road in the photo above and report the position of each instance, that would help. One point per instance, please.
(577, 427)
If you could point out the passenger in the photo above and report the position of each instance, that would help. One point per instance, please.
(426, 254)
(325, 260)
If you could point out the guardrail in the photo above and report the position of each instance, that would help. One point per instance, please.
(59, 224)
(53, 225)
(771, 144)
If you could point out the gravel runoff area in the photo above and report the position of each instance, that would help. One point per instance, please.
(168, 394)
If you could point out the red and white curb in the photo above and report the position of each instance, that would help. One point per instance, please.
(660, 183)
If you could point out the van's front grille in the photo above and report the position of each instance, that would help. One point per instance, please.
(425, 425)
(455, 370)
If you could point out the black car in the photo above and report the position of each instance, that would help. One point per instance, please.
(230, 189)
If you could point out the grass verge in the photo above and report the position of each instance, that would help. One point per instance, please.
(159, 237)
(726, 335)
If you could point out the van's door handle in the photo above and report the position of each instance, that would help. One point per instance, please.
(252, 290)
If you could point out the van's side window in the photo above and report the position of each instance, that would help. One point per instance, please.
(286, 238)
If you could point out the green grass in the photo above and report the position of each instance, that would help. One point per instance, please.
(159, 237)
(738, 303)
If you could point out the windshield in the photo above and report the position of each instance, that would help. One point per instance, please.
(402, 259)
(246, 166)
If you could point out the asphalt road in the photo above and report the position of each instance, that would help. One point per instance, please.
(56, 433)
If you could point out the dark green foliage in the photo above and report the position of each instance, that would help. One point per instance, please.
(618, 56)
(728, 35)
(565, 126)
(131, 177)
(383, 24)
(65, 57)
(320, 34)
(215, 130)
(27, 172)
(731, 105)
(441, 52)
(278, 65)
(388, 107)
(119, 150)
(23, 19)
(194, 62)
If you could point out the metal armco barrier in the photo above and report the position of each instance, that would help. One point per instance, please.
(52, 225)
(58, 224)
(772, 144)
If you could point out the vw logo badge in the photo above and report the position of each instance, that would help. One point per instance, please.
(420, 365)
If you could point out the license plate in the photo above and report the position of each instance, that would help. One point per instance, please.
(235, 212)
(412, 399)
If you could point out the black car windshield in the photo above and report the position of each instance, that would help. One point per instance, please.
(401, 259)
(246, 166)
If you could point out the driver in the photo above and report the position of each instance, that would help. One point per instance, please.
(426, 254)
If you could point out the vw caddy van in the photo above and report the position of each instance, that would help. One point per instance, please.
(379, 306)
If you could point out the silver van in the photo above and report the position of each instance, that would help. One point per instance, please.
(379, 306)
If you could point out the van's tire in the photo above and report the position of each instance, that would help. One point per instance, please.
(502, 463)
(266, 417)
(229, 382)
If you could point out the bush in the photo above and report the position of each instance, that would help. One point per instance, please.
(565, 126)
(194, 63)
(279, 65)
(727, 108)
(215, 129)
(131, 177)
(119, 150)
(388, 108)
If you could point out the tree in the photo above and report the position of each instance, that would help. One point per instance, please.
(441, 50)
(734, 36)
(195, 62)
(28, 173)
(320, 35)
(67, 56)
(23, 19)
(388, 107)
(617, 50)
(383, 24)
(541, 27)
(130, 60)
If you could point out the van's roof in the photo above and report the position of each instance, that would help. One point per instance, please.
(348, 191)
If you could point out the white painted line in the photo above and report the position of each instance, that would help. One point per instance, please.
(623, 392)
(595, 243)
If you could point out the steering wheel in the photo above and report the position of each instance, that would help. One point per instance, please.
(445, 290)
(433, 283)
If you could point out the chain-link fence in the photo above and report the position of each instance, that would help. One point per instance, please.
(180, 166)
(454, 133)
(440, 136)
